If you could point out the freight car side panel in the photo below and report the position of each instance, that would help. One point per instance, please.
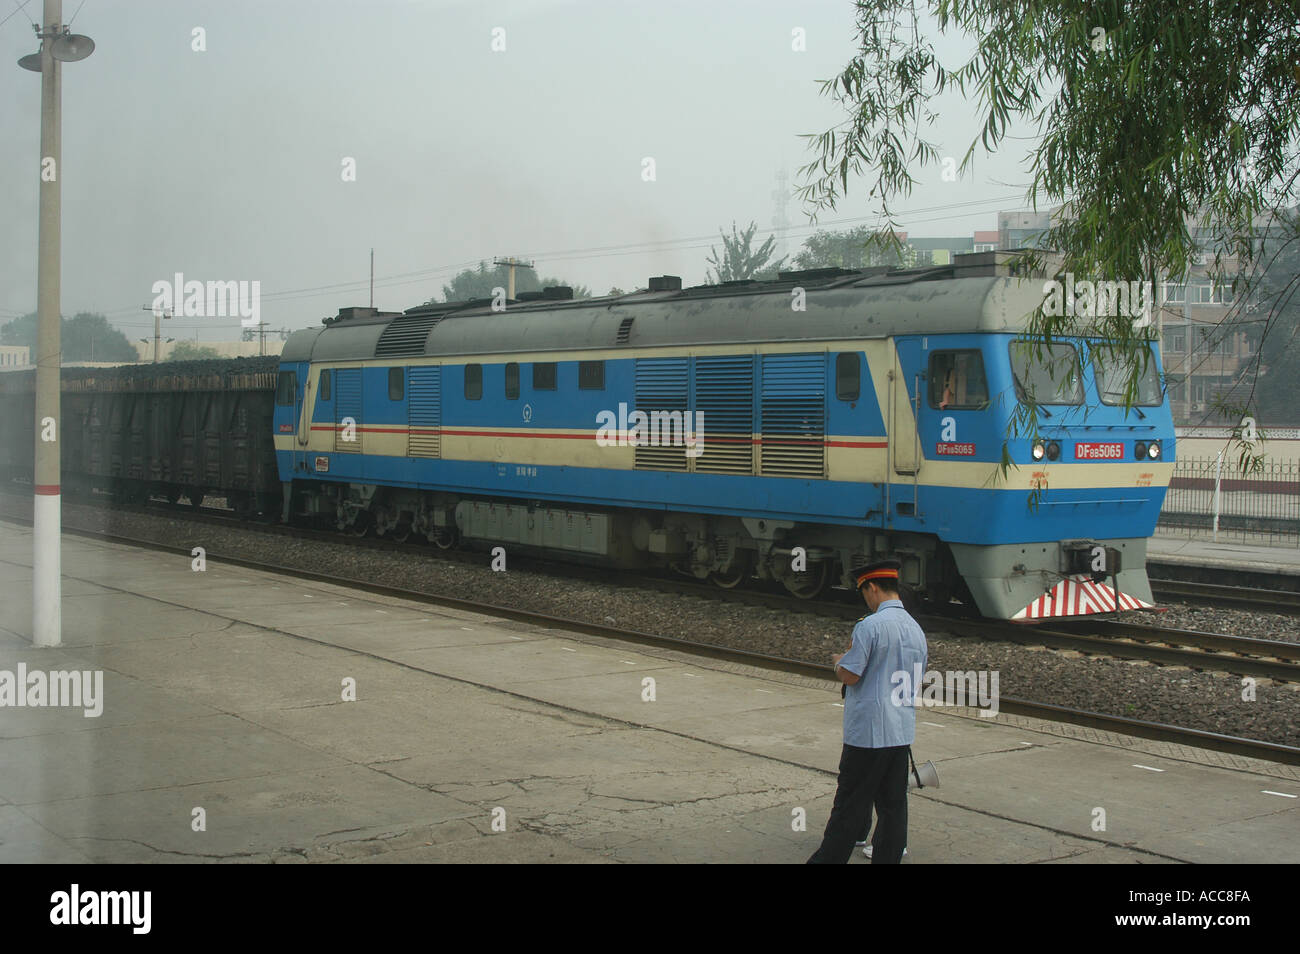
(159, 430)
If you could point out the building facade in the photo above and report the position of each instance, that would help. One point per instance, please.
(15, 356)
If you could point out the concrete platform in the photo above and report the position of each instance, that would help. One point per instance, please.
(223, 691)
(1179, 550)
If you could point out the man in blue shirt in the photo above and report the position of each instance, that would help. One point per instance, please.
(878, 732)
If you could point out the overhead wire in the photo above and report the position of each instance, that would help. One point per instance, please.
(19, 9)
(685, 243)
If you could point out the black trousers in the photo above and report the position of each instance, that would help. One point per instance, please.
(867, 776)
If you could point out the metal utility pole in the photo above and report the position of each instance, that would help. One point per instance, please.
(512, 263)
(47, 513)
(372, 278)
(781, 217)
(57, 46)
(158, 316)
(263, 331)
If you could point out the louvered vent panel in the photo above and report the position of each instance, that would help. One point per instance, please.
(424, 413)
(347, 404)
(624, 331)
(405, 336)
(724, 405)
(661, 393)
(794, 415)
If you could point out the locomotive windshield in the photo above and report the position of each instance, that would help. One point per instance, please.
(286, 388)
(957, 380)
(1047, 374)
(1115, 371)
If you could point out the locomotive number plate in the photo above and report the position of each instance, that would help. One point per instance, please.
(322, 465)
(1099, 451)
(954, 449)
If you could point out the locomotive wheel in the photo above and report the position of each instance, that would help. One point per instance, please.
(242, 503)
(728, 581)
(810, 583)
(738, 574)
(445, 539)
(362, 524)
(399, 533)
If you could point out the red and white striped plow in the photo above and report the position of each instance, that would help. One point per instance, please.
(1079, 596)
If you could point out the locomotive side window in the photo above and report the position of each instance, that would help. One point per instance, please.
(848, 376)
(512, 381)
(473, 382)
(286, 387)
(957, 381)
(324, 392)
(544, 376)
(396, 383)
(1113, 374)
(591, 375)
(1048, 373)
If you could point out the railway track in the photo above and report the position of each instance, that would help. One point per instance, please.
(1241, 597)
(1108, 645)
(1268, 659)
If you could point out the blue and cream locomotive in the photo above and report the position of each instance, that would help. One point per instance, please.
(784, 430)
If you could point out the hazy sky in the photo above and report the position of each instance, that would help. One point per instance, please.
(227, 164)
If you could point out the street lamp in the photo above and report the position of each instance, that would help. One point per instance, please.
(58, 46)
(155, 346)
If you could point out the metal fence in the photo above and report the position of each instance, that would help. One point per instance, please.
(1211, 496)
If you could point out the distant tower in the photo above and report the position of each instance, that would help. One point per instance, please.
(780, 218)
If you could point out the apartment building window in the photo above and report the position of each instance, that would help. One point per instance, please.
(1177, 338)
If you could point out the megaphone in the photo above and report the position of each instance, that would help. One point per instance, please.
(923, 776)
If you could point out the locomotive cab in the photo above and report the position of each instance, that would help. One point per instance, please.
(1082, 454)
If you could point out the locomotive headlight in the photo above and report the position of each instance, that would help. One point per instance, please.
(1153, 451)
(1053, 450)
(1140, 450)
(1039, 450)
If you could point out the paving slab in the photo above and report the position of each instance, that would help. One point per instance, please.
(1175, 549)
(313, 722)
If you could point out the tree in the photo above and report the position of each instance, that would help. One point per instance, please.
(479, 282)
(854, 248)
(740, 260)
(83, 337)
(21, 332)
(1153, 118)
(190, 351)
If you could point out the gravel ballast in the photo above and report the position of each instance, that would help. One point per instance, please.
(1208, 701)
